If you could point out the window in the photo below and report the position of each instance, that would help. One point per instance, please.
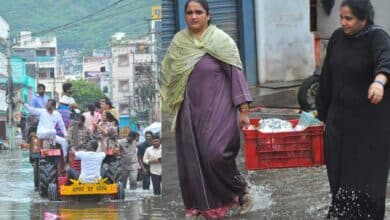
(142, 48)
(43, 75)
(123, 60)
(124, 109)
(19, 51)
(147, 49)
(105, 89)
(52, 51)
(142, 69)
(123, 86)
(41, 53)
(46, 73)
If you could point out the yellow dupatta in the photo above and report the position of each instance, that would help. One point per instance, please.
(183, 54)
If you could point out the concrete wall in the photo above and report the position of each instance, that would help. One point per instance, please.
(328, 23)
(120, 73)
(284, 41)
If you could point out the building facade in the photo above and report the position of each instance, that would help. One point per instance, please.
(136, 73)
(40, 54)
(97, 69)
(70, 65)
(134, 68)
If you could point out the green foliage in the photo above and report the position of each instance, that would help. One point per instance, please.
(85, 92)
(129, 16)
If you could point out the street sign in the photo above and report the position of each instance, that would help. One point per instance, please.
(156, 12)
(4, 29)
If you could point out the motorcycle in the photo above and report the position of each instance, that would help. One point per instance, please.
(308, 91)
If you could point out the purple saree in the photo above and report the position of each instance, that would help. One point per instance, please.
(208, 138)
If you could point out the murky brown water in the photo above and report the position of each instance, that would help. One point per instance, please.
(19, 201)
(279, 194)
(295, 193)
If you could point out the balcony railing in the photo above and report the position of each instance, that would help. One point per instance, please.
(45, 58)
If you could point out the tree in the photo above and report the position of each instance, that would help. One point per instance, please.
(85, 92)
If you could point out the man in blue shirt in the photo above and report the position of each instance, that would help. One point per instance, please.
(40, 100)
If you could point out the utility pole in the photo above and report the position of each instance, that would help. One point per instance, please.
(10, 99)
(133, 92)
(130, 112)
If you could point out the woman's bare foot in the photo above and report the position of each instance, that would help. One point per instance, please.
(246, 204)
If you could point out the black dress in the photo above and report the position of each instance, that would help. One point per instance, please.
(357, 134)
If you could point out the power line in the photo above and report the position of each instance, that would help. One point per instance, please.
(75, 21)
(101, 18)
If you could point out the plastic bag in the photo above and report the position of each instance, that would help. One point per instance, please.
(275, 125)
(307, 119)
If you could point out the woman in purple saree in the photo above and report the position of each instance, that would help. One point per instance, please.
(204, 86)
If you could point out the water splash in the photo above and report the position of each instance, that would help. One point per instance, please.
(262, 197)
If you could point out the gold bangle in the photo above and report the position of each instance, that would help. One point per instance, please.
(244, 106)
(244, 109)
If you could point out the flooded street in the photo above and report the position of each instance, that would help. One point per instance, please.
(19, 201)
(290, 193)
(294, 193)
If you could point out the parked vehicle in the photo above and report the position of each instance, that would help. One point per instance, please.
(308, 91)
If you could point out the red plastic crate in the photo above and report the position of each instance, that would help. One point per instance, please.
(284, 149)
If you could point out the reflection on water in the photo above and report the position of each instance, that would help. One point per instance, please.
(148, 209)
(19, 201)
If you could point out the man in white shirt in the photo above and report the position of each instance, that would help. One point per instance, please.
(66, 98)
(152, 157)
(91, 162)
(48, 118)
(67, 104)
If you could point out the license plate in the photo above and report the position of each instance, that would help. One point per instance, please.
(88, 189)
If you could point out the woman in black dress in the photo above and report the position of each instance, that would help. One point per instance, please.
(354, 103)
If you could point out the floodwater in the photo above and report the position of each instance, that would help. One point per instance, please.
(291, 194)
(19, 201)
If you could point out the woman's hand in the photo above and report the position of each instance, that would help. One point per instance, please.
(376, 89)
(244, 115)
(375, 93)
(244, 119)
